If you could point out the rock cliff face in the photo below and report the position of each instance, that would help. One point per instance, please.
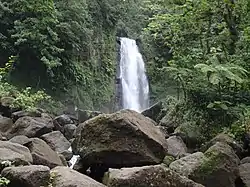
(120, 149)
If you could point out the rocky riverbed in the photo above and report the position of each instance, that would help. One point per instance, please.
(123, 149)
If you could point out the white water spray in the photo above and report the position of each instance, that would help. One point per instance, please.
(135, 88)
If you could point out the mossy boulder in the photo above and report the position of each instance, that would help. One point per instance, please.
(224, 138)
(219, 167)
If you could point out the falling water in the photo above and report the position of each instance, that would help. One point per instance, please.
(135, 89)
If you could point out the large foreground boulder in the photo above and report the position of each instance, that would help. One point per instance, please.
(66, 177)
(15, 153)
(155, 176)
(125, 138)
(27, 176)
(43, 155)
(31, 127)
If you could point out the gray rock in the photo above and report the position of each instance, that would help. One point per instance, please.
(63, 119)
(245, 174)
(187, 165)
(15, 153)
(56, 141)
(84, 115)
(43, 155)
(66, 177)
(67, 154)
(63, 160)
(5, 125)
(155, 176)
(23, 140)
(245, 160)
(190, 134)
(31, 127)
(155, 112)
(224, 138)
(125, 138)
(176, 146)
(69, 131)
(23, 113)
(27, 176)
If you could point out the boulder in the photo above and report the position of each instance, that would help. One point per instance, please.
(31, 127)
(67, 154)
(63, 160)
(77, 164)
(125, 138)
(155, 176)
(224, 138)
(27, 176)
(176, 146)
(155, 112)
(15, 153)
(187, 165)
(66, 177)
(43, 155)
(16, 115)
(56, 141)
(5, 125)
(69, 131)
(170, 120)
(23, 140)
(169, 123)
(244, 170)
(245, 160)
(6, 108)
(1, 137)
(219, 168)
(63, 119)
(190, 134)
(47, 116)
(84, 115)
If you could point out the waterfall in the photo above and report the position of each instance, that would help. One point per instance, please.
(135, 88)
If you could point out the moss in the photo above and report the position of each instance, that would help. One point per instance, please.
(52, 179)
(209, 164)
(168, 160)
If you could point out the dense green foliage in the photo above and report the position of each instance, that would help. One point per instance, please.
(67, 48)
(202, 49)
